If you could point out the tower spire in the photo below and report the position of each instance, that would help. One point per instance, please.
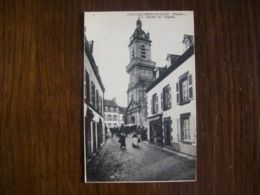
(138, 23)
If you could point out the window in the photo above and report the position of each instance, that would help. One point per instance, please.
(115, 124)
(115, 117)
(143, 52)
(133, 53)
(109, 117)
(99, 105)
(184, 91)
(86, 86)
(154, 103)
(97, 101)
(166, 98)
(185, 127)
(93, 94)
(106, 109)
(114, 109)
(190, 87)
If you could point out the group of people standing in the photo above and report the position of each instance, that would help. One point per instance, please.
(121, 133)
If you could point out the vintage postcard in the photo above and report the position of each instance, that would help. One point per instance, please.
(139, 97)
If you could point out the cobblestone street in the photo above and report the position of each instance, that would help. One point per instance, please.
(146, 163)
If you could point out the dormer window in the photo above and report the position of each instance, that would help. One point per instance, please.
(187, 41)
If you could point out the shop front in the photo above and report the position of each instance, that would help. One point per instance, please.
(155, 129)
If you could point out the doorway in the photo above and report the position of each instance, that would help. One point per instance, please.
(167, 129)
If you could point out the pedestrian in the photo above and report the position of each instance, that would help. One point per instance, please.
(136, 141)
(122, 140)
(112, 132)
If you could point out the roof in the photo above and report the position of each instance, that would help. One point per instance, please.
(187, 36)
(139, 33)
(186, 55)
(110, 103)
(88, 47)
(173, 57)
(122, 110)
(134, 105)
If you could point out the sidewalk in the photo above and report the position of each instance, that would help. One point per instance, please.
(170, 150)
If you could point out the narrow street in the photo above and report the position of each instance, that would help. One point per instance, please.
(145, 163)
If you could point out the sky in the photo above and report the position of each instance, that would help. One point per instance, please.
(111, 32)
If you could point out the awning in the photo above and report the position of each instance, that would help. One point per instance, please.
(130, 125)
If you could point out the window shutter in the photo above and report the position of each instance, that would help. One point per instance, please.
(152, 106)
(90, 94)
(190, 79)
(87, 86)
(178, 130)
(177, 93)
(192, 129)
(85, 91)
(162, 101)
(97, 100)
(170, 98)
(190, 87)
(190, 92)
(156, 103)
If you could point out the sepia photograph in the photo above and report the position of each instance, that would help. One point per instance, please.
(139, 97)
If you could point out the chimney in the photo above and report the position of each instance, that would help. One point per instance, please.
(91, 44)
(114, 99)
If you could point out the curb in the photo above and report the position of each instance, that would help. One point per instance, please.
(170, 151)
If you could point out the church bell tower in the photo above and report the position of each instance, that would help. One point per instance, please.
(141, 75)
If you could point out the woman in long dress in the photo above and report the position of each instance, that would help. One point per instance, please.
(135, 139)
(122, 140)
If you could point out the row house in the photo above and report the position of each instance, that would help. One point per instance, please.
(114, 114)
(172, 102)
(94, 127)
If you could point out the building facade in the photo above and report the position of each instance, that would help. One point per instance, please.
(114, 114)
(94, 127)
(172, 103)
(141, 75)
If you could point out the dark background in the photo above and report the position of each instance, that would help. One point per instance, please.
(41, 63)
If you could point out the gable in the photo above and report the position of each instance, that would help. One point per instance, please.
(132, 105)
